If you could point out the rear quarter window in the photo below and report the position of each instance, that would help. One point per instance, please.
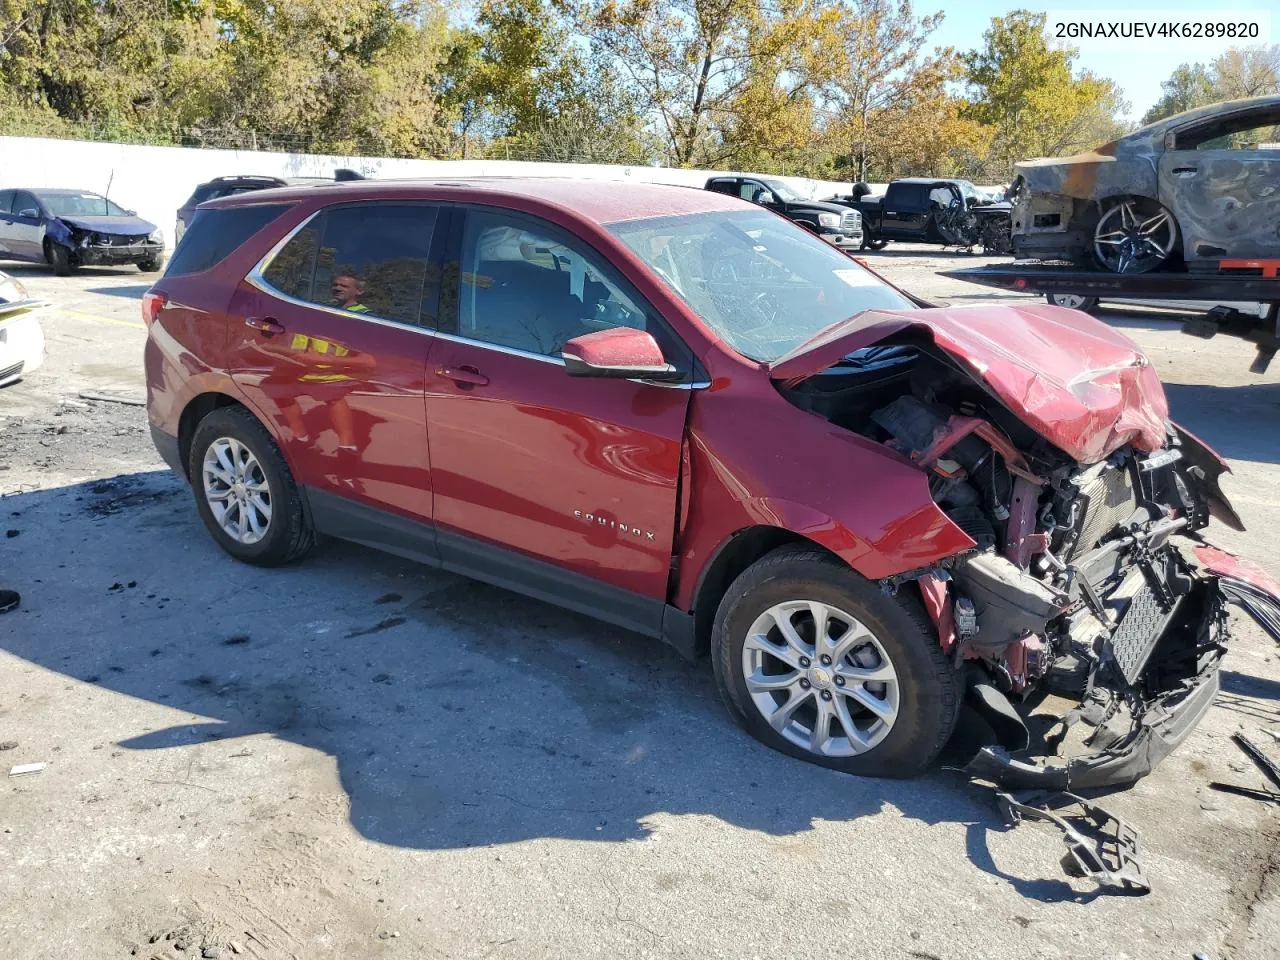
(215, 234)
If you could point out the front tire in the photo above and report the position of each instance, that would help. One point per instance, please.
(150, 266)
(874, 244)
(818, 663)
(59, 258)
(244, 491)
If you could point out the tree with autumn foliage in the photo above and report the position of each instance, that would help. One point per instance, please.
(1031, 97)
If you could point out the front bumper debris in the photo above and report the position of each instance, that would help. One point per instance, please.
(114, 254)
(1165, 724)
(1111, 856)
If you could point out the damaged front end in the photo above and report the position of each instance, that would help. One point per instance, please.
(1088, 578)
(89, 243)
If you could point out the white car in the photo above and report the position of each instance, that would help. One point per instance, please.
(21, 336)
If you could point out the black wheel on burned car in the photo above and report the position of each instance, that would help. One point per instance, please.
(819, 663)
(244, 491)
(1134, 235)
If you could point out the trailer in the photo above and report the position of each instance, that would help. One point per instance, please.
(1255, 281)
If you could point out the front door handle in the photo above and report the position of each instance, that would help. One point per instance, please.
(1186, 169)
(267, 326)
(467, 376)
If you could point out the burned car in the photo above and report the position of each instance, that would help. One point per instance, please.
(74, 228)
(1195, 189)
(683, 414)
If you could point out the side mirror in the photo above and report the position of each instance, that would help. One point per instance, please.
(766, 198)
(30, 213)
(622, 353)
(131, 213)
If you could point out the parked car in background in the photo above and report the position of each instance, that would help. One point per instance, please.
(684, 415)
(1193, 189)
(838, 226)
(244, 183)
(924, 210)
(21, 336)
(74, 228)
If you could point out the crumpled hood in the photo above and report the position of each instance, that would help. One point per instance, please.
(124, 226)
(1084, 387)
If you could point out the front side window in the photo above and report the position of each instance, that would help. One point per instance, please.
(25, 201)
(941, 197)
(1251, 130)
(760, 283)
(369, 258)
(527, 288)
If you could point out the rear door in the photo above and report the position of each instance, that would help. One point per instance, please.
(905, 211)
(331, 349)
(26, 227)
(550, 483)
(6, 219)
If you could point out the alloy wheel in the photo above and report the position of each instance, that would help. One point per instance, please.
(236, 490)
(820, 678)
(1128, 239)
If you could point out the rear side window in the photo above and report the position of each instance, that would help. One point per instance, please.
(369, 258)
(6, 201)
(906, 196)
(728, 187)
(215, 234)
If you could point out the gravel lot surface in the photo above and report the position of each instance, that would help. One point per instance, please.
(358, 757)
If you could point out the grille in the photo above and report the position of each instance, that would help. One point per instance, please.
(1108, 500)
(851, 220)
(1138, 633)
(114, 240)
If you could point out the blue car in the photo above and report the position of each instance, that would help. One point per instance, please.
(74, 228)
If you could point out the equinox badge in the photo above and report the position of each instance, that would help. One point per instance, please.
(622, 528)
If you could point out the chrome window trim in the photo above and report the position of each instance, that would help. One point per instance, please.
(256, 280)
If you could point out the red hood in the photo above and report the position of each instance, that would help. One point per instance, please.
(1082, 386)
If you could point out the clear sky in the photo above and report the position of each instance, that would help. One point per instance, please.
(1137, 66)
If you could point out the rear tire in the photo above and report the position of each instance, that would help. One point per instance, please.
(1073, 301)
(880, 635)
(60, 258)
(236, 469)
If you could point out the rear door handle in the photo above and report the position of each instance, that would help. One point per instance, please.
(1186, 169)
(267, 326)
(464, 376)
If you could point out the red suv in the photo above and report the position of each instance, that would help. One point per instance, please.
(683, 414)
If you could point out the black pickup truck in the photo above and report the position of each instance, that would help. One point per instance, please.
(833, 222)
(949, 212)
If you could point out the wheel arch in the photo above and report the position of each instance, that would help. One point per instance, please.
(197, 408)
(735, 554)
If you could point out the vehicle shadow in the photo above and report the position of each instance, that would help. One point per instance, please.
(1240, 422)
(458, 714)
(132, 292)
(24, 268)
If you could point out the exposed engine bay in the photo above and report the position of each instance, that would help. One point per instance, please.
(1083, 580)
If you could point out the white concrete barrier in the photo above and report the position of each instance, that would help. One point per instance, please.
(156, 181)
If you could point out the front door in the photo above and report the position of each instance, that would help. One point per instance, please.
(1219, 178)
(331, 350)
(542, 480)
(904, 211)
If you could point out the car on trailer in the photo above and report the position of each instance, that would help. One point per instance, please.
(1188, 191)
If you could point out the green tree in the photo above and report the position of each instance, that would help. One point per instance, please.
(1188, 87)
(1031, 97)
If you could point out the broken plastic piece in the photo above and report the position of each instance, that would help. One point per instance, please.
(1268, 766)
(1111, 856)
(22, 768)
